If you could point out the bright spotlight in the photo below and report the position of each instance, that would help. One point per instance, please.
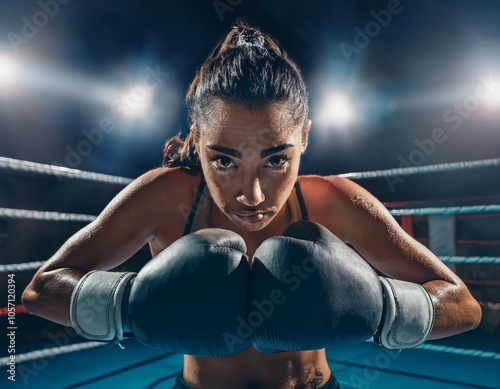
(7, 70)
(136, 102)
(337, 110)
(493, 100)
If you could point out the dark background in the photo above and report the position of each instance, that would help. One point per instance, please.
(428, 57)
(72, 73)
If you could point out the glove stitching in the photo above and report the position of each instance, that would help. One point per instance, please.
(377, 337)
(73, 309)
(396, 319)
(430, 321)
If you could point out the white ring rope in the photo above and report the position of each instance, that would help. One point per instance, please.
(55, 351)
(407, 171)
(17, 165)
(35, 265)
(20, 267)
(446, 210)
(11, 213)
(59, 171)
(459, 351)
(471, 260)
(52, 352)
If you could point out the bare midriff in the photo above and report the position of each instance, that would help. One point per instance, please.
(251, 369)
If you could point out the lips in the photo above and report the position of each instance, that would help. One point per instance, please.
(251, 217)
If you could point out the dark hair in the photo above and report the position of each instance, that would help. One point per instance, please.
(248, 67)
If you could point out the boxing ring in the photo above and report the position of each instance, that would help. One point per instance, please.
(51, 356)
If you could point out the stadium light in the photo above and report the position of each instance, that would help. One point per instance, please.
(7, 70)
(135, 103)
(337, 110)
(494, 99)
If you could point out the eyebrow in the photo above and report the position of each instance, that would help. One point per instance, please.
(263, 154)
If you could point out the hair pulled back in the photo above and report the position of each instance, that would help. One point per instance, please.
(247, 67)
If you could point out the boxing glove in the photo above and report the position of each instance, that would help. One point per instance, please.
(324, 294)
(181, 301)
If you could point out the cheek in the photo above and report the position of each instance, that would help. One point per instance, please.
(278, 190)
(220, 185)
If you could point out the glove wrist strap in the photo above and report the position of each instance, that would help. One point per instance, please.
(96, 305)
(409, 315)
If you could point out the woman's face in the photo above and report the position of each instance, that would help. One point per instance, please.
(250, 159)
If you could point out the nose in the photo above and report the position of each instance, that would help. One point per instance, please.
(251, 195)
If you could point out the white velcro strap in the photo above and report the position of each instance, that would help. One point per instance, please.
(96, 305)
(409, 314)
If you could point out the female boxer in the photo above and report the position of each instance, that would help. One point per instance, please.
(240, 283)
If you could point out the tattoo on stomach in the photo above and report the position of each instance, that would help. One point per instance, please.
(313, 380)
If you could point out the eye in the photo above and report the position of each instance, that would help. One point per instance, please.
(222, 162)
(278, 161)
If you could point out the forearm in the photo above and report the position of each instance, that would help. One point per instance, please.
(456, 311)
(49, 294)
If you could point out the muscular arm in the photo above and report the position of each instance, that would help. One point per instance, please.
(126, 224)
(361, 220)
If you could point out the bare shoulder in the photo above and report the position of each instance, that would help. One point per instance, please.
(175, 177)
(166, 200)
(337, 203)
(162, 184)
(324, 192)
(164, 192)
